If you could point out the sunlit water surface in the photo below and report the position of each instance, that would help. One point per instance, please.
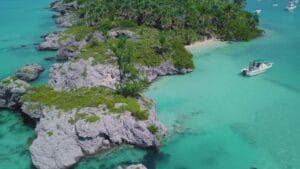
(216, 118)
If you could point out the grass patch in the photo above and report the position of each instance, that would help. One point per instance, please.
(50, 133)
(97, 50)
(84, 97)
(90, 118)
(153, 129)
(78, 31)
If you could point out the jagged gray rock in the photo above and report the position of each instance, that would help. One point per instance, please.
(65, 21)
(137, 166)
(165, 68)
(98, 36)
(64, 54)
(62, 138)
(83, 73)
(29, 72)
(11, 90)
(66, 10)
(115, 33)
(32, 109)
(51, 42)
(66, 46)
(60, 6)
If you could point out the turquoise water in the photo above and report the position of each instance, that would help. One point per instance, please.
(22, 24)
(225, 121)
(229, 121)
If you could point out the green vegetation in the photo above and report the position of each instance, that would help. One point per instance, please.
(89, 118)
(84, 97)
(79, 32)
(152, 48)
(130, 83)
(33, 107)
(222, 18)
(50, 133)
(153, 129)
(6, 81)
(141, 115)
(12, 80)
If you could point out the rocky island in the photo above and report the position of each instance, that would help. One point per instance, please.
(110, 54)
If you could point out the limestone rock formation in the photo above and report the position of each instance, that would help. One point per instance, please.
(29, 72)
(83, 73)
(65, 136)
(11, 90)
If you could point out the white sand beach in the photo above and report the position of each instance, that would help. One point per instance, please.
(204, 44)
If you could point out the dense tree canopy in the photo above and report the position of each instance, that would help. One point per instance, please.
(225, 19)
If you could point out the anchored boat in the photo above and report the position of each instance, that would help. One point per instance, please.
(255, 68)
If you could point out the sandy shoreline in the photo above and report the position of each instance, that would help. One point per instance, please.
(204, 44)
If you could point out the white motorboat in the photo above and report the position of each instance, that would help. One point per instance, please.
(256, 68)
(291, 6)
(258, 11)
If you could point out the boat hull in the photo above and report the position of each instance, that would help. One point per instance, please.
(247, 72)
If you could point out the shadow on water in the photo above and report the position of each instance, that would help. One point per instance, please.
(154, 156)
(243, 132)
(283, 85)
(21, 47)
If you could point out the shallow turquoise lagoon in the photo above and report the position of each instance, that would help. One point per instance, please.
(216, 118)
(22, 22)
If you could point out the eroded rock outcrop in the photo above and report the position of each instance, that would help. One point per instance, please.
(165, 68)
(66, 46)
(117, 33)
(64, 17)
(29, 72)
(11, 90)
(51, 42)
(83, 73)
(65, 136)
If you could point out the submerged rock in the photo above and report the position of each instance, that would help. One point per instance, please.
(65, 136)
(51, 58)
(29, 72)
(11, 90)
(138, 166)
(83, 73)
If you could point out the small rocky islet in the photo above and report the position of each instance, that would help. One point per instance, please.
(92, 102)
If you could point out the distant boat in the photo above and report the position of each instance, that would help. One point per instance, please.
(255, 68)
(257, 11)
(275, 4)
(291, 6)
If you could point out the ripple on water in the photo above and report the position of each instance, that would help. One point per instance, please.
(14, 141)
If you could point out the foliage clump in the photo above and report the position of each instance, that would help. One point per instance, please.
(89, 118)
(84, 97)
(153, 129)
(225, 19)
